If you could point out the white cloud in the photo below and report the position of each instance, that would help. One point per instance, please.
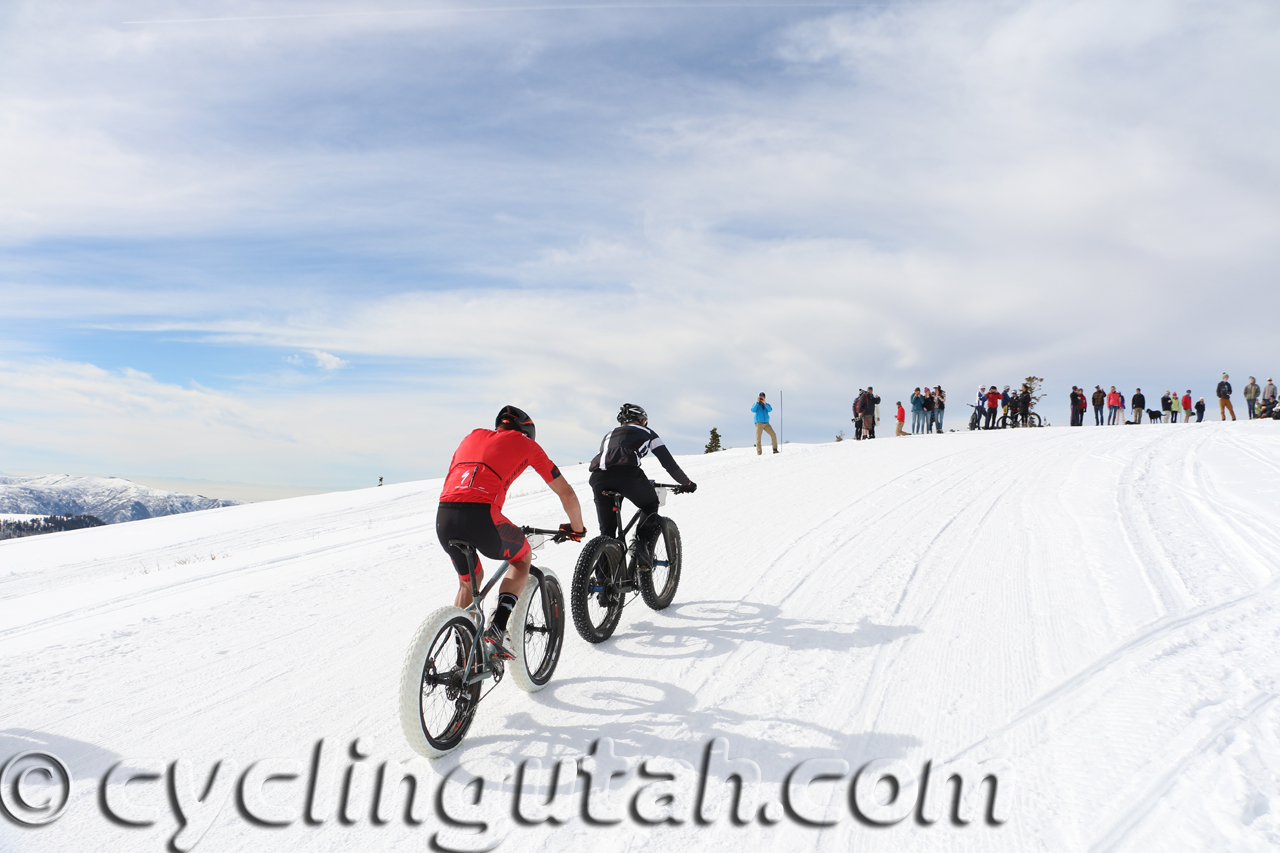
(326, 361)
(918, 193)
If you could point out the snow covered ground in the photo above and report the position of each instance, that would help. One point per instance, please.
(1094, 608)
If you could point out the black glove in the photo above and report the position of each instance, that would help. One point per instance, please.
(691, 487)
(568, 534)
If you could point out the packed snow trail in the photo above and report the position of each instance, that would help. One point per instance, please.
(1096, 607)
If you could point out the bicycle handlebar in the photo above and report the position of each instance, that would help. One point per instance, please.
(553, 535)
(674, 486)
(527, 530)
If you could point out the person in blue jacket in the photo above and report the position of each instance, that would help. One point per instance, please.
(762, 410)
(917, 412)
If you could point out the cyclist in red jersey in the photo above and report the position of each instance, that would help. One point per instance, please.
(484, 466)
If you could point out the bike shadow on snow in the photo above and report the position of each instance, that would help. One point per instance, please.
(715, 628)
(647, 718)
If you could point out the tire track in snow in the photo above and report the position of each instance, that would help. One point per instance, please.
(1158, 633)
(1157, 791)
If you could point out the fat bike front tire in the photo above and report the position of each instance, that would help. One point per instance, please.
(537, 632)
(658, 585)
(436, 705)
(595, 598)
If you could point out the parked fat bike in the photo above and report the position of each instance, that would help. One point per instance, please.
(609, 570)
(447, 663)
(975, 421)
(1016, 419)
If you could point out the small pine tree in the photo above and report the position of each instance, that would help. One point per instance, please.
(714, 444)
(1033, 382)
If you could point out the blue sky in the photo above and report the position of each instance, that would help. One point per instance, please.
(302, 246)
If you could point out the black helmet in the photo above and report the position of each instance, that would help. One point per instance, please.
(631, 413)
(512, 418)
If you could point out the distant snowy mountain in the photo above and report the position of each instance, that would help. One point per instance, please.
(109, 499)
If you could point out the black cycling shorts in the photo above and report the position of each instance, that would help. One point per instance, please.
(633, 484)
(484, 527)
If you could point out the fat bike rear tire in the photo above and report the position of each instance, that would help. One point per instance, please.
(595, 599)
(436, 706)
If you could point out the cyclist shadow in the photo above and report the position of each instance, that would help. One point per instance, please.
(720, 626)
(647, 718)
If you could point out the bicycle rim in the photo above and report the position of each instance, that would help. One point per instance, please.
(446, 705)
(595, 600)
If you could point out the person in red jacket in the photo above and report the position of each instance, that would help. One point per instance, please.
(1113, 407)
(483, 467)
(994, 397)
(901, 418)
(1186, 404)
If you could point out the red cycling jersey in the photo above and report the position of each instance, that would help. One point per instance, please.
(488, 461)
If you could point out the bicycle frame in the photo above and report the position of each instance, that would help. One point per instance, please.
(640, 516)
(475, 609)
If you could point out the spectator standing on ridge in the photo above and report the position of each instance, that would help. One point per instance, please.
(1200, 410)
(1269, 390)
(1099, 400)
(1251, 393)
(1113, 405)
(1166, 408)
(1186, 404)
(1024, 404)
(873, 405)
(1139, 406)
(993, 405)
(1176, 405)
(866, 408)
(762, 410)
(1075, 402)
(857, 415)
(939, 406)
(917, 412)
(929, 403)
(901, 418)
(1224, 398)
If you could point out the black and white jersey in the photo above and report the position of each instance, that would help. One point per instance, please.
(625, 446)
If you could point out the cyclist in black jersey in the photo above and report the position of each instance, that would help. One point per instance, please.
(616, 468)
